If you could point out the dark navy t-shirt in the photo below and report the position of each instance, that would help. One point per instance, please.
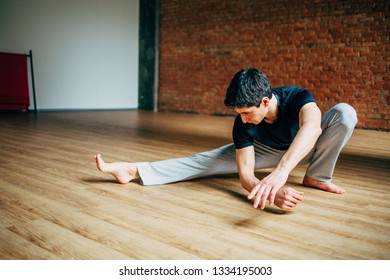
(280, 134)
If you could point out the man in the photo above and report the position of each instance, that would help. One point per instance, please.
(278, 128)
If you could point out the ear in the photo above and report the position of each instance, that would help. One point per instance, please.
(265, 101)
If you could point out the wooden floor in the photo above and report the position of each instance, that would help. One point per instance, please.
(54, 204)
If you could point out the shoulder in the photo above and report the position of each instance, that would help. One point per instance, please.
(242, 133)
(291, 91)
(292, 99)
(287, 94)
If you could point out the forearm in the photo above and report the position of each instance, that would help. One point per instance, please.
(246, 164)
(249, 181)
(300, 147)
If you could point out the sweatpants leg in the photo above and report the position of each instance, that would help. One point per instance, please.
(337, 127)
(266, 157)
(219, 161)
(215, 162)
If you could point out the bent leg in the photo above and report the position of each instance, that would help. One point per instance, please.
(215, 162)
(337, 127)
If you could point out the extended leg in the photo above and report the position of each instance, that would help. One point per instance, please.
(219, 161)
(215, 162)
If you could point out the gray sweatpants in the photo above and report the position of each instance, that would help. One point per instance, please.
(337, 127)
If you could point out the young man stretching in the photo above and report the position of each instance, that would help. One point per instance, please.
(279, 128)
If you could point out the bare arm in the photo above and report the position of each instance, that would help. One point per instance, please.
(308, 133)
(245, 159)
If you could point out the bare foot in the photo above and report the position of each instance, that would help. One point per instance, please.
(326, 186)
(123, 172)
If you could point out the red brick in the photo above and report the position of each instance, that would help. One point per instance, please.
(336, 49)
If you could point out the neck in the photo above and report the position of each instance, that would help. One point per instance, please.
(273, 110)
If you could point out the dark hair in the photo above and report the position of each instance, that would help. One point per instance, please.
(247, 88)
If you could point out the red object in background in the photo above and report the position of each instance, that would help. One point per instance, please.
(14, 93)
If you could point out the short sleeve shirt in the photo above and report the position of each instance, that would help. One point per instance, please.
(281, 133)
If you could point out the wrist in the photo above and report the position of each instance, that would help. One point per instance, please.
(283, 168)
(249, 183)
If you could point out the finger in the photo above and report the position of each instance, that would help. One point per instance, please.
(291, 190)
(289, 204)
(254, 191)
(258, 197)
(272, 196)
(264, 197)
(292, 200)
(298, 192)
(294, 193)
(287, 207)
(297, 196)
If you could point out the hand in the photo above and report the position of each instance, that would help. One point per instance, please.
(288, 198)
(267, 189)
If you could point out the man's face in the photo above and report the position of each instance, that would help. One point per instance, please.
(253, 115)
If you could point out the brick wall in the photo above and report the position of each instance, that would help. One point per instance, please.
(339, 50)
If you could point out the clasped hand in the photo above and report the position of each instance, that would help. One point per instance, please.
(270, 189)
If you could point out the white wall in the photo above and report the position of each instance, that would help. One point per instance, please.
(85, 51)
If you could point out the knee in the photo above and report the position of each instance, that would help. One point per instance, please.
(347, 115)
